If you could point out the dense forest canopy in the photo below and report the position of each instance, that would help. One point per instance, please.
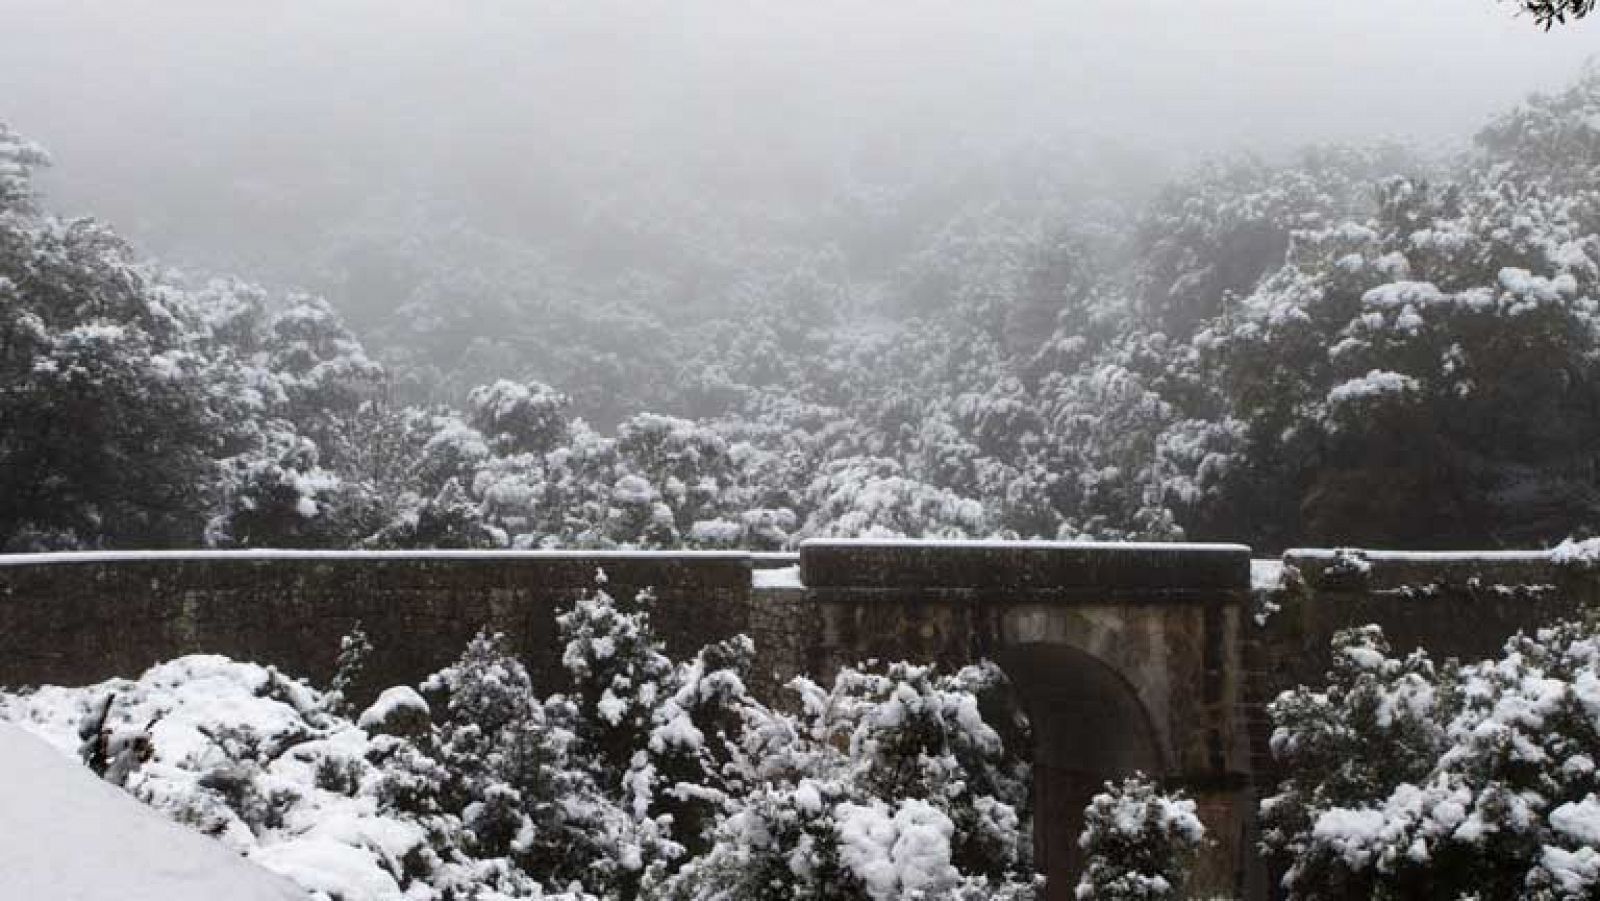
(671, 303)
(1357, 345)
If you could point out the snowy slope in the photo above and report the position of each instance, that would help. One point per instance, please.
(67, 836)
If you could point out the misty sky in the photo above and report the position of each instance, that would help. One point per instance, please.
(156, 107)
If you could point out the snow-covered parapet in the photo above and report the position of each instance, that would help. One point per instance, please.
(259, 604)
(1035, 570)
(1360, 568)
(1582, 555)
(1266, 584)
(1265, 575)
(1335, 578)
(777, 577)
(332, 556)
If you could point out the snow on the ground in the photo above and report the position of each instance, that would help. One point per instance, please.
(65, 835)
(1266, 575)
(334, 842)
(1266, 579)
(778, 577)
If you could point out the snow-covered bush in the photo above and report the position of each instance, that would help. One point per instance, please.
(1411, 779)
(236, 750)
(1138, 843)
(692, 762)
(653, 778)
(355, 647)
(911, 733)
(888, 785)
(619, 675)
(514, 780)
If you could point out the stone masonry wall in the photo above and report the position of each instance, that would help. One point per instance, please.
(77, 618)
(1453, 604)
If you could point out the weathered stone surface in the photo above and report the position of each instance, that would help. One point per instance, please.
(1453, 604)
(782, 622)
(1040, 570)
(80, 618)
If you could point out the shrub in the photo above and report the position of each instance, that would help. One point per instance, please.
(1138, 843)
(1415, 780)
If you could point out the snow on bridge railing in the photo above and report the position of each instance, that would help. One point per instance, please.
(953, 563)
(264, 554)
(1038, 544)
(1386, 569)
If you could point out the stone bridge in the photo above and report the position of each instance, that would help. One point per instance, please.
(1127, 657)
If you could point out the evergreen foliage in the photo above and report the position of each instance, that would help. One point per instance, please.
(653, 778)
(1410, 779)
(1138, 843)
(1354, 346)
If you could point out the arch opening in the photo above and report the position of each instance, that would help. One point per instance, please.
(1089, 726)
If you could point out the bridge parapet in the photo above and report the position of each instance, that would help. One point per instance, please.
(1453, 603)
(1032, 571)
(75, 618)
(1378, 570)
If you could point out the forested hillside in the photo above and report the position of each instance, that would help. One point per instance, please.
(1360, 345)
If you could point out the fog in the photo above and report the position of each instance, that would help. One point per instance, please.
(767, 276)
(665, 273)
(220, 133)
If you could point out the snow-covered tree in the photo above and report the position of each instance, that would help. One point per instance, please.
(619, 675)
(1388, 372)
(1138, 843)
(449, 519)
(1461, 780)
(520, 418)
(517, 782)
(887, 787)
(288, 500)
(693, 764)
(106, 436)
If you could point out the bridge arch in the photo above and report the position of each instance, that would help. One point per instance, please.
(1089, 726)
(1127, 658)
